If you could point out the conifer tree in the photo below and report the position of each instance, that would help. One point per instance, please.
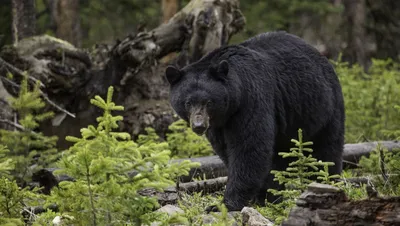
(27, 146)
(104, 193)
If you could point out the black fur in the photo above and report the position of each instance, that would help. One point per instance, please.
(273, 84)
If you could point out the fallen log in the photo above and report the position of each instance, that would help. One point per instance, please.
(213, 167)
(322, 205)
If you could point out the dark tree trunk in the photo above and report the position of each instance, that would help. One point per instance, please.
(384, 25)
(23, 19)
(66, 16)
(355, 13)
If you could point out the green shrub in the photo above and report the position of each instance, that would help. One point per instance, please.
(104, 192)
(6, 164)
(300, 172)
(184, 143)
(27, 143)
(370, 99)
(383, 167)
(13, 200)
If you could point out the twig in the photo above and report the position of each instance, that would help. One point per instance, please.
(18, 71)
(56, 106)
(43, 95)
(16, 125)
(9, 81)
(382, 163)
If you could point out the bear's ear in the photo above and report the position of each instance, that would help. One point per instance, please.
(173, 74)
(220, 71)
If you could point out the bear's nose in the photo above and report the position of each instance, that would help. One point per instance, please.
(199, 129)
(199, 125)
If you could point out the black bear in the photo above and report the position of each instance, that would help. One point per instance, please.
(250, 100)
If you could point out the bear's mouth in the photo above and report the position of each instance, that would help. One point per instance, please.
(199, 122)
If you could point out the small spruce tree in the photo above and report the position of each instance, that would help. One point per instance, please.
(101, 162)
(27, 144)
(296, 178)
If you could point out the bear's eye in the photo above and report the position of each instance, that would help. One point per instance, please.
(209, 103)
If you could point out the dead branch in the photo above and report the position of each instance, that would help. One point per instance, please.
(19, 72)
(34, 80)
(16, 125)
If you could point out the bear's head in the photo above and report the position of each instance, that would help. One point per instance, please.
(201, 94)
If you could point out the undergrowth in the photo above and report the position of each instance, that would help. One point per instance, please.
(110, 169)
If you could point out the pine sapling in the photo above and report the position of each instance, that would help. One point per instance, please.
(109, 171)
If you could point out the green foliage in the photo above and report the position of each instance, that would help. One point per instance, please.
(304, 167)
(384, 169)
(27, 144)
(269, 15)
(13, 199)
(370, 99)
(184, 143)
(102, 162)
(300, 172)
(194, 205)
(6, 164)
(393, 133)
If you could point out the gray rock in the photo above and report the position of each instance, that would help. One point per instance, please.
(322, 188)
(251, 217)
(210, 218)
(170, 210)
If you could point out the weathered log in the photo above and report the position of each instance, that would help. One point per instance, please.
(213, 167)
(206, 186)
(72, 76)
(328, 205)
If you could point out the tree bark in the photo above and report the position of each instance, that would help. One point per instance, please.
(384, 17)
(67, 20)
(23, 19)
(355, 13)
(169, 9)
(324, 205)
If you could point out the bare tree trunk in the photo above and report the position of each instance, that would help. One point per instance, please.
(169, 8)
(67, 19)
(355, 13)
(385, 27)
(24, 19)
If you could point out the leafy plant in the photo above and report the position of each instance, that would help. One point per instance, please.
(301, 171)
(29, 147)
(184, 143)
(383, 167)
(110, 170)
(6, 164)
(369, 99)
(194, 205)
(13, 200)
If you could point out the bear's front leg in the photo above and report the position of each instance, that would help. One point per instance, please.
(248, 169)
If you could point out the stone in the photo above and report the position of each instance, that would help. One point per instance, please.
(251, 217)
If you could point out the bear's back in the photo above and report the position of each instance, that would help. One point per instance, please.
(280, 44)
